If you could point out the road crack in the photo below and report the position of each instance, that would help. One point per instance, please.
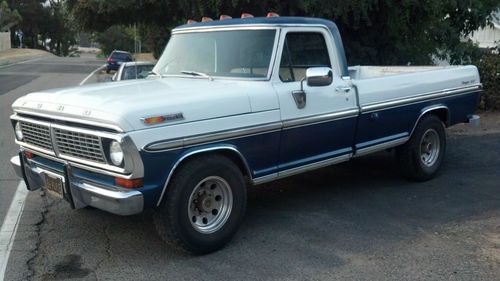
(38, 225)
(107, 251)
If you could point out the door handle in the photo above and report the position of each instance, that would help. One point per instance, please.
(343, 89)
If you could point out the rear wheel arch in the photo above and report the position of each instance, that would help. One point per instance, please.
(440, 111)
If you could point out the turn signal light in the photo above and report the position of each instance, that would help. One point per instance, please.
(246, 16)
(28, 154)
(154, 120)
(206, 19)
(272, 15)
(129, 183)
(225, 17)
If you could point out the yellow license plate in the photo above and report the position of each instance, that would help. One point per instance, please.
(54, 185)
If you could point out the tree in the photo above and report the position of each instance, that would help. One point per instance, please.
(8, 17)
(58, 29)
(45, 25)
(116, 37)
(382, 32)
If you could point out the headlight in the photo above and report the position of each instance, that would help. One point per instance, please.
(116, 153)
(19, 132)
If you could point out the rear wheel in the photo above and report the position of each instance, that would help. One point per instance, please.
(204, 205)
(421, 157)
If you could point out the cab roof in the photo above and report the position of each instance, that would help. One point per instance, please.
(260, 20)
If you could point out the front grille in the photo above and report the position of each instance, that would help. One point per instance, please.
(79, 145)
(37, 135)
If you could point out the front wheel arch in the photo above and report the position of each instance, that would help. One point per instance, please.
(229, 151)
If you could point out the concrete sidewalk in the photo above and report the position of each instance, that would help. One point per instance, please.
(14, 55)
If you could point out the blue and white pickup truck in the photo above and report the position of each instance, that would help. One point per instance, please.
(233, 103)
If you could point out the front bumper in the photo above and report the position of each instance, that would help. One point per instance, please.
(77, 191)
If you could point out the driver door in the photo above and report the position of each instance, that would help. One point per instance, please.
(319, 122)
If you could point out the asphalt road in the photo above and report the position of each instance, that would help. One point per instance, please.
(355, 221)
(22, 78)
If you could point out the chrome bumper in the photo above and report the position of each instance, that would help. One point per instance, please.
(81, 193)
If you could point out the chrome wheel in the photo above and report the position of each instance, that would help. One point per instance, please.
(210, 204)
(429, 147)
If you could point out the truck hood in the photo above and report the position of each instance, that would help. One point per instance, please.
(123, 104)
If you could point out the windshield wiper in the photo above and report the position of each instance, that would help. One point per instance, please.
(196, 73)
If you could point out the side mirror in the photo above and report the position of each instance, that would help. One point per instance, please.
(319, 76)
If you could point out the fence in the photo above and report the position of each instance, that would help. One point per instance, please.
(4, 41)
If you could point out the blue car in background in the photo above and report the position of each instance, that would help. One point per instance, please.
(116, 59)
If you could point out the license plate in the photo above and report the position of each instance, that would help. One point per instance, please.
(54, 185)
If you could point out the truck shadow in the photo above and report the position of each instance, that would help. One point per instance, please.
(310, 225)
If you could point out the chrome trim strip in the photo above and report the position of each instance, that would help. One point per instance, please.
(429, 109)
(380, 146)
(254, 130)
(314, 166)
(302, 169)
(248, 131)
(35, 148)
(211, 137)
(100, 134)
(225, 147)
(422, 97)
(315, 119)
(264, 179)
(70, 119)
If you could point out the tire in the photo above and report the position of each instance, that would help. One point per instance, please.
(421, 157)
(186, 219)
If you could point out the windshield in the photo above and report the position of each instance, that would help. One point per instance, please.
(239, 53)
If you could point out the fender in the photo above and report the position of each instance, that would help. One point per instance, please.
(192, 152)
(429, 109)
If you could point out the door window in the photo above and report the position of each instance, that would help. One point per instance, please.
(301, 51)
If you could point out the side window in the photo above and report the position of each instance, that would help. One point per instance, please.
(301, 51)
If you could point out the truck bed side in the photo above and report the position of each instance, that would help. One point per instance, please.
(391, 105)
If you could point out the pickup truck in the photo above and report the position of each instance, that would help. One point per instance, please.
(230, 104)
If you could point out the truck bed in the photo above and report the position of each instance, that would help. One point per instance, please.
(385, 84)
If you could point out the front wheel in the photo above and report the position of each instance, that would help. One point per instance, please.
(204, 205)
(421, 157)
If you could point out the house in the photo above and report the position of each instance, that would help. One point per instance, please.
(488, 37)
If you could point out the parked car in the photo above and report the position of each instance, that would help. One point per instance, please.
(116, 59)
(233, 102)
(133, 70)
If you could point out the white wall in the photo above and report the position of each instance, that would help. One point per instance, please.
(487, 37)
(4, 41)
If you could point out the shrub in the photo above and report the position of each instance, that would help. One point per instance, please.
(489, 69)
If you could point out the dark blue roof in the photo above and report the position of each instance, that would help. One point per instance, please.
(260, 20)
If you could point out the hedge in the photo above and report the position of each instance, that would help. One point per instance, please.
(489, 69)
